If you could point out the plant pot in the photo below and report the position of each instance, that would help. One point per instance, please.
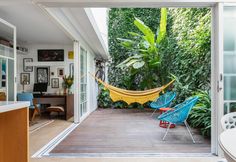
(65, 90)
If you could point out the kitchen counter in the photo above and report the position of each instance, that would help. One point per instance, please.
(14, 131)
(6, 106)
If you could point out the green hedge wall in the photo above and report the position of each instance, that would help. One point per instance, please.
(185, 52)
(120, 23)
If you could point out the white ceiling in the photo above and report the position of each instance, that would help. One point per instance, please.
(33, 25)
(129, 3)
(80, 25)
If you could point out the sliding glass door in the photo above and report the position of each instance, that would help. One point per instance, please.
(83, 82)
(229, 59)
(7, 61)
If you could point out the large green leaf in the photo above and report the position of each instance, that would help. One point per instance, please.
(129, 61)
(148, 34)
(163, 23)
(138, 65)
(126, 42)
(134, 34)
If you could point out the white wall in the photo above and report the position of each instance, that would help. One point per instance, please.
(33, 54)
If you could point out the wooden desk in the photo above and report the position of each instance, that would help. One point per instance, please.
(14, 135)
(56, 99)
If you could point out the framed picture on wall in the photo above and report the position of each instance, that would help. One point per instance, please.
(60, 72)
(42, 75)
(71, 69)
(51, 55)
(71, 55)
(55, 82)
(27, 68)
(25, 78)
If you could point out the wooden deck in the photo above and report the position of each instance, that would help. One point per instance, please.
(128, 131)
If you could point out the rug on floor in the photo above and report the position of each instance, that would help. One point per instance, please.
(36, 125)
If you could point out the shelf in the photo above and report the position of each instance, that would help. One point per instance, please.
(8, 51)
(45, 64)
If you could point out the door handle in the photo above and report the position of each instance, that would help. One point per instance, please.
(219, 88)
(219, 83)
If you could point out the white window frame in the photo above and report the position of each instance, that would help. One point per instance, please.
(14, 57)
(86, 101)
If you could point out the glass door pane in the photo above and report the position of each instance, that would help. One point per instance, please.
(83, 82)
(10, 79)
(229, 59)
(7, 57)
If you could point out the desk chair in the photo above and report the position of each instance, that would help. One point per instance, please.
(33, 105)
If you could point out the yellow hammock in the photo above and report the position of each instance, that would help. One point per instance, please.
(128, 96)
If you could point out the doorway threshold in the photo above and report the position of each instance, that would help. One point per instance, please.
(45, 150)
(109, 155)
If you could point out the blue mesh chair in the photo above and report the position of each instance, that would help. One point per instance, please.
(163, 101)
(179, 115)
(29, 97)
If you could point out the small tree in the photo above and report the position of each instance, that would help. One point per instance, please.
(144, 59)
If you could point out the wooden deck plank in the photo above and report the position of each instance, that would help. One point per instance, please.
(128, 131)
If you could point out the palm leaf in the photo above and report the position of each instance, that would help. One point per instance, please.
(148, 34)
(163, 23)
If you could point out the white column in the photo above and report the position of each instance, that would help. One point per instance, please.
(76, 82)
(15, 63)
(217, 102)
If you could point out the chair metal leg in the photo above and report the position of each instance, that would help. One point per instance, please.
(167, 130)
(153, 112)
(189, 130)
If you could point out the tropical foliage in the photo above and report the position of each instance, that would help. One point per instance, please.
(184, 52)
(121, 23)
(104, 101)
(200, 116)
(144, 57)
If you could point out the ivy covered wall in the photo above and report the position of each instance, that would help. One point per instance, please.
(185, 52)
(121, 21)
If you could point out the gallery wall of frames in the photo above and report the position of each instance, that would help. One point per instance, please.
(48, 63)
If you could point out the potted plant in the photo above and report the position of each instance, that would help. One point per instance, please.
(67, 83)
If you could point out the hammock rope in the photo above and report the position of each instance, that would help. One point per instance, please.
(129, 96)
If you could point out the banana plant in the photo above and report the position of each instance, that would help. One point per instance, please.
(143, 48)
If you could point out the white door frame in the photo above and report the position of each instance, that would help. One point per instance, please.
(14, 56)
(216, 47)
(217, 91)
(76, 82)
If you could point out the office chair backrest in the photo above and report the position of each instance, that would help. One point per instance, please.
(25, 97)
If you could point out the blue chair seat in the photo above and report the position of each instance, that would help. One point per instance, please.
(163, 101)
(29, 97)
(32, 106)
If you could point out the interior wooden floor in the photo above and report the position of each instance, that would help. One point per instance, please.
(128, 131)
